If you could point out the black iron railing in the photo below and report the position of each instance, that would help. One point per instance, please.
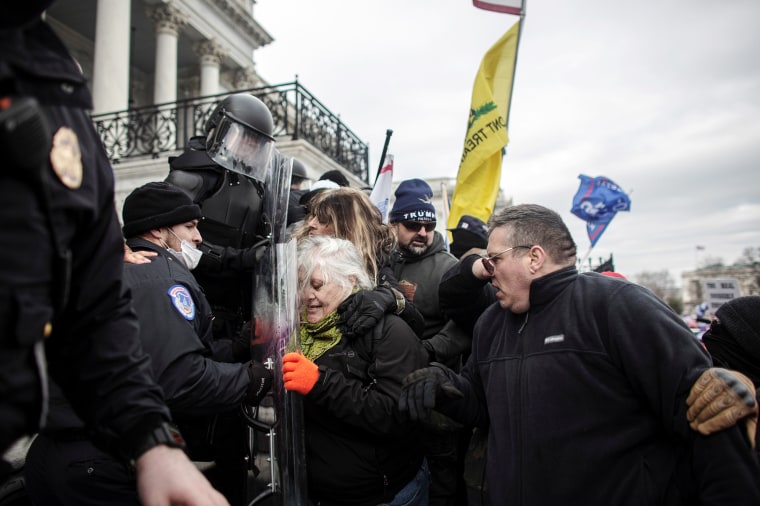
(297, 114)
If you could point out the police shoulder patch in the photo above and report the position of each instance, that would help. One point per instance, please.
(66, 158)
(182, 301)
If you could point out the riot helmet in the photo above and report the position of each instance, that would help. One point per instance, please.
(239, 135)
(299, 170)
(298, 174)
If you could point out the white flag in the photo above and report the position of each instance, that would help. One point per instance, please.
(381, 193)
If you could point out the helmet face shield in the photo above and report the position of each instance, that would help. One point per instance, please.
(240, 149)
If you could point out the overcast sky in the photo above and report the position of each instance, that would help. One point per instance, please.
(661, 97)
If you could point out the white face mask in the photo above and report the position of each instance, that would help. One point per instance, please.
(189, 255)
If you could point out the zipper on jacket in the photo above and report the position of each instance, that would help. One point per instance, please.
(521, 449)
(524, 323)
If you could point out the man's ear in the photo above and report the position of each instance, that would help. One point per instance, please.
(537, 257)
(160, 236)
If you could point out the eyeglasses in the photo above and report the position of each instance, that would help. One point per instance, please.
(414, 226)
(490, 265)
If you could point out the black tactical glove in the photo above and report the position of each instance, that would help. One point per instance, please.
(362, 311)
(422, 388)
(259, 382)
(250, 257)
(218, 258)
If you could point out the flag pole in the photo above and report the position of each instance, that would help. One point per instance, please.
(445, 198)
(388, 134)
(514, 68)
(514, 71)
(585, 257)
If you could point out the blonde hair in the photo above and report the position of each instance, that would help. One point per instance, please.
(355, 218)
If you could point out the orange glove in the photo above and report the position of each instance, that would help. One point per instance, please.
(719, 399)
(299, 373)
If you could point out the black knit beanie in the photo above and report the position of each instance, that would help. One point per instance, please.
(735, 342)
(741, 318)
(155, 205)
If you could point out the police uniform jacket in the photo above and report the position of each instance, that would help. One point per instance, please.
(586, 397)
(61, 261)
(360, 449)
(176, 331)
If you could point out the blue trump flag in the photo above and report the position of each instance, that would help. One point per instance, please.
(596, 202)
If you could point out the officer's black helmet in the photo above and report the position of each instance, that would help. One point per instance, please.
(239, 135)
(245, 109)
(299, 170)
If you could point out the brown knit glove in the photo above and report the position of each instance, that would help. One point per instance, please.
(719, 399)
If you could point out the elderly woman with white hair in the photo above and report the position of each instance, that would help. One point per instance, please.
(360, 449)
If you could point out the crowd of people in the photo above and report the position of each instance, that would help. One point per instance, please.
(488, 372)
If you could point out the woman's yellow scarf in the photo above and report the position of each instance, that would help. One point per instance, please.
(317, 338)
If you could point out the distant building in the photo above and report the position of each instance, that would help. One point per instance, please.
(693, 282)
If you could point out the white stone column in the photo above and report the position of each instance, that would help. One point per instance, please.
(110, 82)
(168, 21)
(210, 53)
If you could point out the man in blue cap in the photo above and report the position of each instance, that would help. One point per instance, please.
(419, 263)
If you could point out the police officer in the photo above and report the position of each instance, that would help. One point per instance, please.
(60, 271)
(227, 182)
(199, 375)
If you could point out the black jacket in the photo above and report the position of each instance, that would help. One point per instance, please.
(419, 277)
(176, 331)
(195, 372)
(360, 449)
(50, 229)
(585, 395)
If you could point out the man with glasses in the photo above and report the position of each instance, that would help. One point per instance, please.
(419, 263)
(582, 379)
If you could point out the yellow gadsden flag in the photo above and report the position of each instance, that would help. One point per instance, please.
(479, 175)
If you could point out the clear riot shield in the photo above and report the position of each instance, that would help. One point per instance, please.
(277, 424)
